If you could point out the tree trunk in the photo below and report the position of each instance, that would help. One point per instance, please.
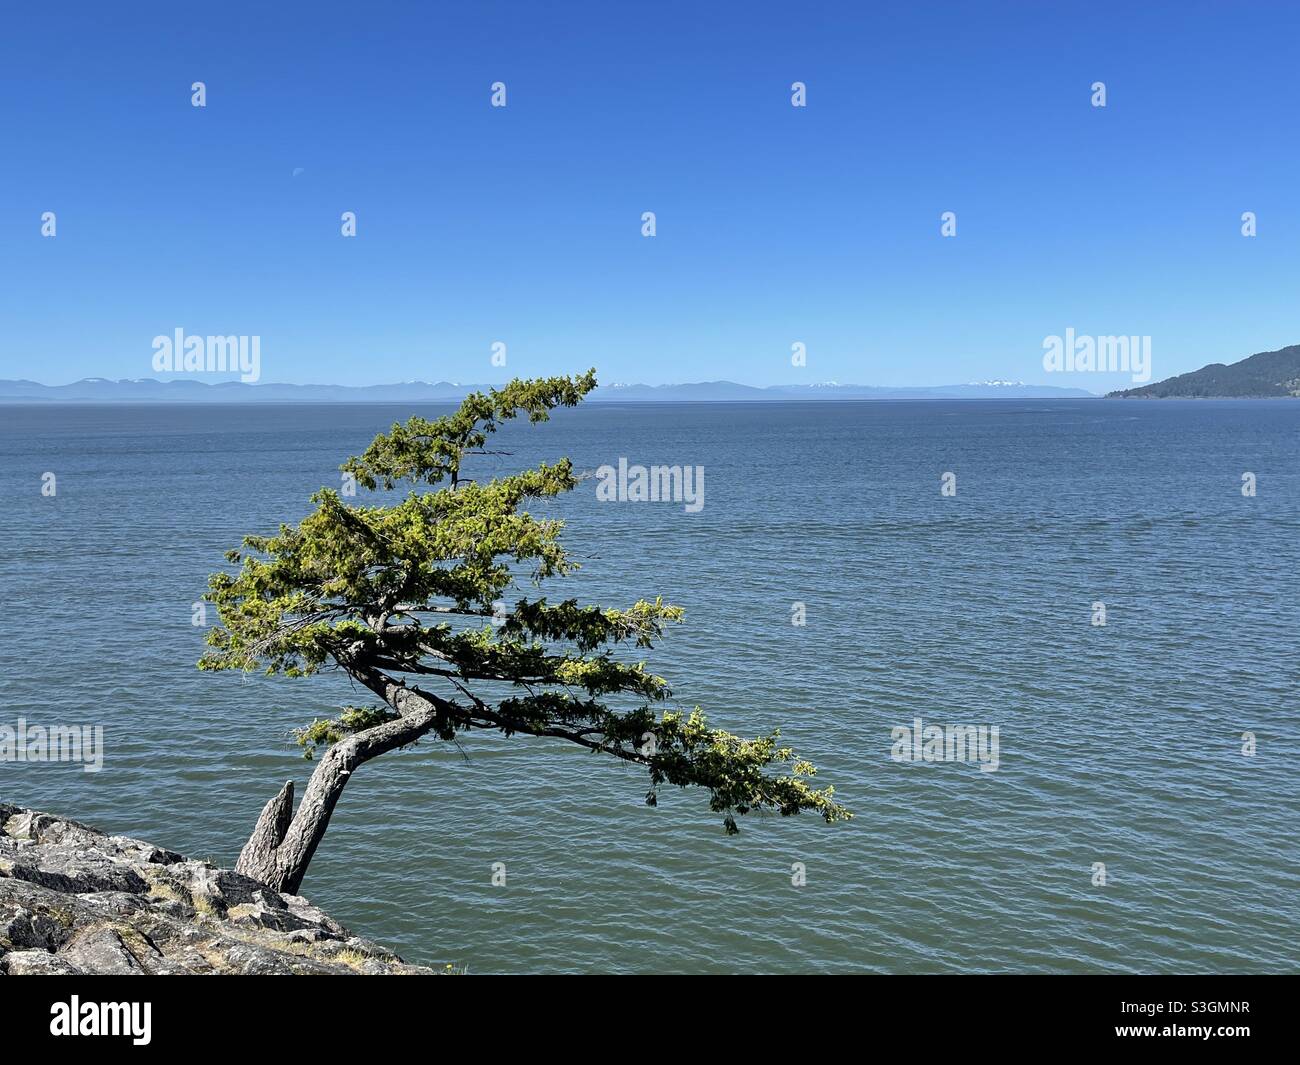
(283, 843)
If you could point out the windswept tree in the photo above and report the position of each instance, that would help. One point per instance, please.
(409, 600)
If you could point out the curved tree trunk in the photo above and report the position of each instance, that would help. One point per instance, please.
(283, 843)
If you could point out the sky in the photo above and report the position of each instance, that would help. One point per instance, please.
(522, 225)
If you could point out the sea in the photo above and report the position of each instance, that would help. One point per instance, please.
(1111, 585)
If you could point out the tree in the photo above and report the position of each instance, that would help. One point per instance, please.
(407, 600)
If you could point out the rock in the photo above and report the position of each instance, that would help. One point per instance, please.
(22, 929)
(36, 963)
(76, 901)
(101, 950)
(73, 868)
(262, 915)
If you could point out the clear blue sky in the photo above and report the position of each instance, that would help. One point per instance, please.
(522, 224)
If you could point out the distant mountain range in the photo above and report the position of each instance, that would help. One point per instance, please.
(1261, 376)
(185, 390)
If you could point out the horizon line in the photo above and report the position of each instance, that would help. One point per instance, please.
(813, 387)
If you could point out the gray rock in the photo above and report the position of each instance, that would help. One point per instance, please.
(102, 950)
(73, 869)
(21, 929)
(73, 900)
(36, 963)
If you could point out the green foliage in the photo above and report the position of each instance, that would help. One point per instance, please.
(426, 452)
(401, 594)
(735, 771)
(325, 732)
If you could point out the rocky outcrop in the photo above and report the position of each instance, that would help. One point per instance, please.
(73, 900)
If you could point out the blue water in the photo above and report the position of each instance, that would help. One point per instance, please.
(1119, 744)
